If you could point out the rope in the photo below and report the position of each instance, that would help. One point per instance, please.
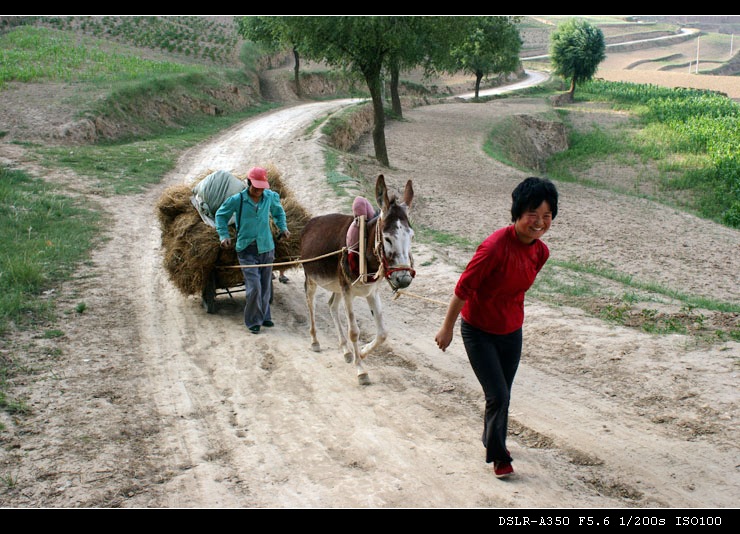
(402, 292)
(378, 274)
(397, 292)
(280, 264)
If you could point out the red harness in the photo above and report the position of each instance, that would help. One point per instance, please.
(353, 260)
(388, 270)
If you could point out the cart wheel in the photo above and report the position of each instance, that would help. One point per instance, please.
(209, 293)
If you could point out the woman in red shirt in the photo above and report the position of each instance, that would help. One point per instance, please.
(490, 297)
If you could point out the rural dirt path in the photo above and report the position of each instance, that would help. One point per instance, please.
(156, 403)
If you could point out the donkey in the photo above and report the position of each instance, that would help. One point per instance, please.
(387, 255)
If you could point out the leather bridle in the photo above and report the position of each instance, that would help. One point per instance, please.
(388, 270)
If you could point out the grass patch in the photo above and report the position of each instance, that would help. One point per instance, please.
(45, 235)
(690, 135)
(428, 235)
(32, 54)
(495, 143)
(342, 184)
(126, 167)
(650, 287)
(194, 38)
(621, 299)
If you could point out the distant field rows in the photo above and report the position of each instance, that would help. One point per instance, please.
(730, 85)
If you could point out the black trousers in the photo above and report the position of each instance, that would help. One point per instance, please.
(495, 359)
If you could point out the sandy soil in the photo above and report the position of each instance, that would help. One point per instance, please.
(148, 401)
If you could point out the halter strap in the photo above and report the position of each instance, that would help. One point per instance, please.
(385, 270)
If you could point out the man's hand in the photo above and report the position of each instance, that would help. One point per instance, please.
(284, 234)
(226, 243)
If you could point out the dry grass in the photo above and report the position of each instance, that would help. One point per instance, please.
(192, 249)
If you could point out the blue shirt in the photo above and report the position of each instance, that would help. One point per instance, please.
(254, 223)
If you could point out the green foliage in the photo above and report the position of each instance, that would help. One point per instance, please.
(368, 44)
(362, 44)
(576, 49)
(30, 54)
(692, 121)
(44, 236)
(342, 184)
(129, 166)
(490, 45)
(597, 290)
(203, 38)
(270, 31)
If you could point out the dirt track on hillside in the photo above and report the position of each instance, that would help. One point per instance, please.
(148, 401)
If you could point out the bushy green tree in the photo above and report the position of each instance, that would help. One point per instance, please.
(373, 45)
(576, 49)
(275, 33)
(486, 45)
(420, 41)
(358, 43)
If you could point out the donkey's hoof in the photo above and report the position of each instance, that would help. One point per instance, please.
(316, 347)
(349, 357)
(363, 379)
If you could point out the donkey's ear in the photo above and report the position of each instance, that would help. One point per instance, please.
(381, 192)
(408, 194)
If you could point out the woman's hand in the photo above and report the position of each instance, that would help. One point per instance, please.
(443, 338)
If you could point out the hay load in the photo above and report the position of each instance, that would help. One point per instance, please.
(191, 246)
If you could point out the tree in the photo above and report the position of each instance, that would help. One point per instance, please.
(576, 49)
(275, 33)
(489, 45)
(417, 41)
(369, 44)
(360, 43)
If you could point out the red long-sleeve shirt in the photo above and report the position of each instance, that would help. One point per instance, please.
(496, 278)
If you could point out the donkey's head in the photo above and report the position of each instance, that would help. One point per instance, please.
(396, 234)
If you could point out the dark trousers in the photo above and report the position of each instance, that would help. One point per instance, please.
(495, 359)
(257, 285)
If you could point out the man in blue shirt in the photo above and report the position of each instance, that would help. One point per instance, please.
(254, 243)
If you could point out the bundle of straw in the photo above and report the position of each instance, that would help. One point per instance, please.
(191, 247)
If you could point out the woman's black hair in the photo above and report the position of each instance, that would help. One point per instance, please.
(530, 193)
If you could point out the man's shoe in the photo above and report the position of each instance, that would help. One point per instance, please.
(267, 323)
(502, 469)
(255, 329)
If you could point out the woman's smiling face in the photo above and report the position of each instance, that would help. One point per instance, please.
(534, 223)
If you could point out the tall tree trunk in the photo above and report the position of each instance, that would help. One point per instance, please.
(296, 74)
(572, 89)
(478, 78)
(372, 78)
(395, 98)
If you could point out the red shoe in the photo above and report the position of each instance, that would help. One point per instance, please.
(502, 469)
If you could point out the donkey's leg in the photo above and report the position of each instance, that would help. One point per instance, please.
(373, 300)
(310, 289)
(334, 302)
(354, 335)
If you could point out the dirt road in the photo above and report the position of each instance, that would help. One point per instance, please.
(155, 403)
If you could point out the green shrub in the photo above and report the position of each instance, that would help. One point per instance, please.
(691, 121)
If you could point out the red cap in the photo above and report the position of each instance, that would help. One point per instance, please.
(258, 177)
